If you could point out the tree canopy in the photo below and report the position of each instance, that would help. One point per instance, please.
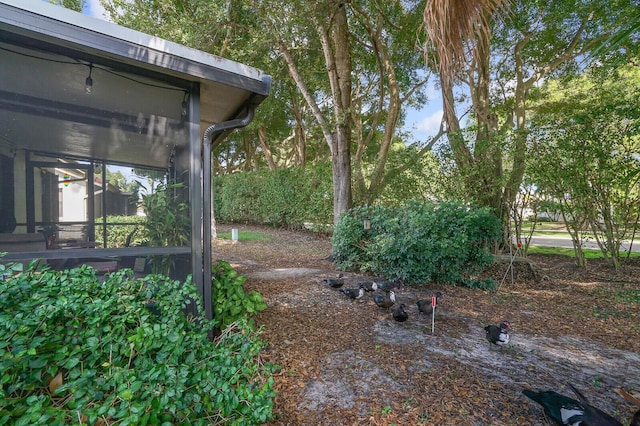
(346, 73)
(536, 41)
(591, 127)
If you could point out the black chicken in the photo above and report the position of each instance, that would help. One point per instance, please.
(400, 314)
(353, 293)
(498, 335)
(390, 285)
(385, 300)
(335, 282)
(568, 411)
(424, 306)
(368, 285)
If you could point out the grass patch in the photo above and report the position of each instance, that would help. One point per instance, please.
(545, 226)
(565, 251)
(245, 236)
(549, 233)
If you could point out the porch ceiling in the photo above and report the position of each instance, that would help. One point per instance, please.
(134, 113)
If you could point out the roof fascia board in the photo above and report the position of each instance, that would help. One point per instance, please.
(51, 21)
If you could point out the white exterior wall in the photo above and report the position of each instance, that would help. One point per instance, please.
(74, 201)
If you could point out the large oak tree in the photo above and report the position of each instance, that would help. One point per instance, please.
(351, 70)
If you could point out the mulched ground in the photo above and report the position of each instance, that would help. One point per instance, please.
(348, 362)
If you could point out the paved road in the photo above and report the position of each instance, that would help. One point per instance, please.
(548, 241)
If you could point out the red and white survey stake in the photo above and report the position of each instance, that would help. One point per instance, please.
(433, 314)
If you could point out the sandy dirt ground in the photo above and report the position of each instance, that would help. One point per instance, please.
(347, 362)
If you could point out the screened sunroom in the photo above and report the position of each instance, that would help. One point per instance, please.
(82, 99)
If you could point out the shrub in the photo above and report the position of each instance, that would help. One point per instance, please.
(77, 349)
(167, 222)
(291, 197)
(418, 242)
(230, 301)
(117, 232)
(350, 241)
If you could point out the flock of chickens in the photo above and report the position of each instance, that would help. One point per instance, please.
(384, 299)
(560, 409)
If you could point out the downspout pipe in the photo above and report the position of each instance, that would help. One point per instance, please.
(207, 201)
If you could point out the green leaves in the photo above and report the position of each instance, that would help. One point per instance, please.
(418, 242)
(591, 126)
(6, 270)
(118, 234)
(167, 222)
(74, 345)
(230, 302)
(289, 197)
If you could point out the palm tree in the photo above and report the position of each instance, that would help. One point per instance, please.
(618, 38)
(458, 33)
(455, 27)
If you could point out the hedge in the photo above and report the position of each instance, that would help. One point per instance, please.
(294, 198)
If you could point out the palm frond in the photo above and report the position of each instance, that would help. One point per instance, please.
(453, 28)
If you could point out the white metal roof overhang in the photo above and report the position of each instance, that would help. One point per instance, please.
(134, 114)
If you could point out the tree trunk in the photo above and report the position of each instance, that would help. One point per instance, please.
(262, 134)
(299, 136)
(337, 53)
(341, 171)
(250, 150)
